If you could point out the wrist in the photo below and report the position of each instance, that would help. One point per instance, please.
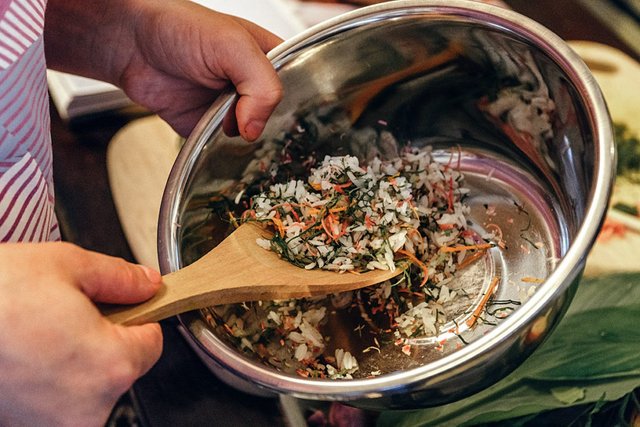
(92, 38)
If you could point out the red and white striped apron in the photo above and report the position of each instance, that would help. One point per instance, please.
(26, 181)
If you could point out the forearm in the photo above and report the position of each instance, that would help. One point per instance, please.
(82, 36)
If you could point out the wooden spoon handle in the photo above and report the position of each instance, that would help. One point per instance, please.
(227, 274)
(167, 302)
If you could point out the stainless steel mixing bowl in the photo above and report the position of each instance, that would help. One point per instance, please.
(511, 99)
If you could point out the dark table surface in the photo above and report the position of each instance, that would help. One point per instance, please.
(180, 390)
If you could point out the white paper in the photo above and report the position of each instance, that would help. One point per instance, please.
(274, 15)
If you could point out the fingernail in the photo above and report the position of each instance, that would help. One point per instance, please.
(253, 130)
(153, 275)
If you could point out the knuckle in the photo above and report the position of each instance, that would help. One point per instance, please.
(120, 375)
(126, 270)
(66, 248)
(276, 93)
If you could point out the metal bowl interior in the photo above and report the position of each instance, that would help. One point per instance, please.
(492, 91)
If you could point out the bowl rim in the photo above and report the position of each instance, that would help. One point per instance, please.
(567, 270)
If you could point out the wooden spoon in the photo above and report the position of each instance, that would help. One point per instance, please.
(239, 270)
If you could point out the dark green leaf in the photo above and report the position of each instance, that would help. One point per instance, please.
(594, 344)
(492, 405)
(568, 395)
(619, 290)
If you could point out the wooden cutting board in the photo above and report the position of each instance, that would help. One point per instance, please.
(140, 157)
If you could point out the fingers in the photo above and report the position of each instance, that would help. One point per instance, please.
(185, 55)
(259, 93)
(109, 279)
(255, 79)
(144, 346)
(61, 360)
(105, 278)
(229, 122)
(266, 40)
(113, 280)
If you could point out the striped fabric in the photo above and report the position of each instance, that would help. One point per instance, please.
(26, 181)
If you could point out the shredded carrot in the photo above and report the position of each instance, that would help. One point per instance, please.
(414, 232)
(446, 226)
(340, 187)
(471, 259)
(289, 208)
(328, 223)
(369, 223)
(327, 227)
(313, 211)
(528, 279)
(460, 248)
(476, 313)
(278, 223)
(416, 261)
(286, 205)
(450, 195)
(340, 209)
(248, 213)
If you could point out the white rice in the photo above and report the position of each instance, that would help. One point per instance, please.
(348, 216)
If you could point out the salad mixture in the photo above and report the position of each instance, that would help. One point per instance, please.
(406, 211)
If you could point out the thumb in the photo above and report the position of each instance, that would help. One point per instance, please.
(257, 83)
(108, 279)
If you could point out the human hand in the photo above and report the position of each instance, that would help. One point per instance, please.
(61, 362)
(183, 48)
(173, 57)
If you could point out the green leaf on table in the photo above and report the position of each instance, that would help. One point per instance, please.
(593, 344)
(568, 395)
(498, 404)
(595, 349)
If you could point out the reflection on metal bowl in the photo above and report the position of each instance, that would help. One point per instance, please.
(528, 128)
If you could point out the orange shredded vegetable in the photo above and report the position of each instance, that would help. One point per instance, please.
(528, 279)
(278, 224)
(471, 259)
(460, 248)
(476, 313)
(416, 261)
